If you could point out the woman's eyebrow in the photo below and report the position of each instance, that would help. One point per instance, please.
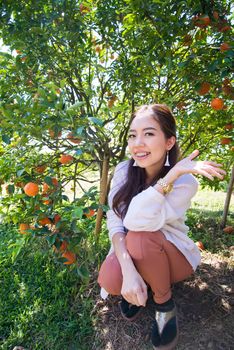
(149, 128)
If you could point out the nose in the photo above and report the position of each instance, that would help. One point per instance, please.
(138, 141)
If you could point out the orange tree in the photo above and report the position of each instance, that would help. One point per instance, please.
(73, 75)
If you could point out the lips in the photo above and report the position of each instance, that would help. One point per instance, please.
(141, 155)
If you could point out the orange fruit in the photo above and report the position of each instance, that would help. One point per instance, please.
(54, 134)
(200, 245)
(201, 21)
(57, 218)
(70, 256)
(47, 188)
(40, 169)
(228, 229)
(23, 228)
(45, 221)
(47, 201)
(90, 213)
(63, 246)
(224, 47)
(31, 189)
(229, 126)
(204, 88)
(73, 138)
(217, 104)
(65, 159)
(225, 141)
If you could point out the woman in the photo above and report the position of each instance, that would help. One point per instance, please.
(149, 198)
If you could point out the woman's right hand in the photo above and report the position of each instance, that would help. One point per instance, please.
(134, 289)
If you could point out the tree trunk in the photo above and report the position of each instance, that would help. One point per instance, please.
(228, 199)
(103, 194)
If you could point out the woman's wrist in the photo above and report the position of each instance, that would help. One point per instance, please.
(165, 184)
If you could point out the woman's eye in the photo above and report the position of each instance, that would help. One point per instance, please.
(131, 136)
(149, 134)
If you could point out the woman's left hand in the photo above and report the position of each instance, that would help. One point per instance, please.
(205, 168)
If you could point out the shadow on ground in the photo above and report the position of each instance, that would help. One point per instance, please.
(204, 303)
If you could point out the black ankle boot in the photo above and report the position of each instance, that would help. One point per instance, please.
(165, 331)
(129, 311)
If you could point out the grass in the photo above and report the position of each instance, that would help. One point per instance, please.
(204, 220)
(44, 305)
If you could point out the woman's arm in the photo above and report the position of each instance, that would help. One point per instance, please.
(134, 289)
(150, 210)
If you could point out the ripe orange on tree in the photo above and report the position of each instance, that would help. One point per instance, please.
(229, 126)
(204, 88)
(224, 47)
(23, 228)
(90, 213)
(65, 159)
(31, 189)
(225, 141)
(47, 188)
(63, 246)
(70, 257)
(200, 245)
(45, 221)
(217, 103)
(201, 21)
(47, 201)
(73, 138)
(57, 218)
(40, 169)
(54, 134)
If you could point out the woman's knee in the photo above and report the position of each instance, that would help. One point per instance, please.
(141, 243)
(110, 275)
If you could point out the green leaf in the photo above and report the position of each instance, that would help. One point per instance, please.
(51, 239)
(77, 213)
(20, 172)
(96, 121)
(6, 139)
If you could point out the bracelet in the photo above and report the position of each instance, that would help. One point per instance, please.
(165, 186)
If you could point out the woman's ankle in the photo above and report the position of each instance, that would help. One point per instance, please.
(166, 306)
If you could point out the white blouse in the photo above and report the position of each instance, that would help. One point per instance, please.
(151, 211)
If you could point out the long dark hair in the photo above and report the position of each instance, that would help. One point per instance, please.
(136, 176)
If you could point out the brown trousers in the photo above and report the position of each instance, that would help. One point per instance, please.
(156, 259)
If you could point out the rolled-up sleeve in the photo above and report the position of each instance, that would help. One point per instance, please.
(150, 210)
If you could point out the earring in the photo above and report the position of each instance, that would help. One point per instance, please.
(135, 164)
(167, 160)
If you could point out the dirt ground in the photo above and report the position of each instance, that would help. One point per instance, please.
(205, 312)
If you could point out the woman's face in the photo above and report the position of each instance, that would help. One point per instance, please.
(148, 144)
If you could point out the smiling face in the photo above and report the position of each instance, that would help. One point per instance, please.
(148, 144)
